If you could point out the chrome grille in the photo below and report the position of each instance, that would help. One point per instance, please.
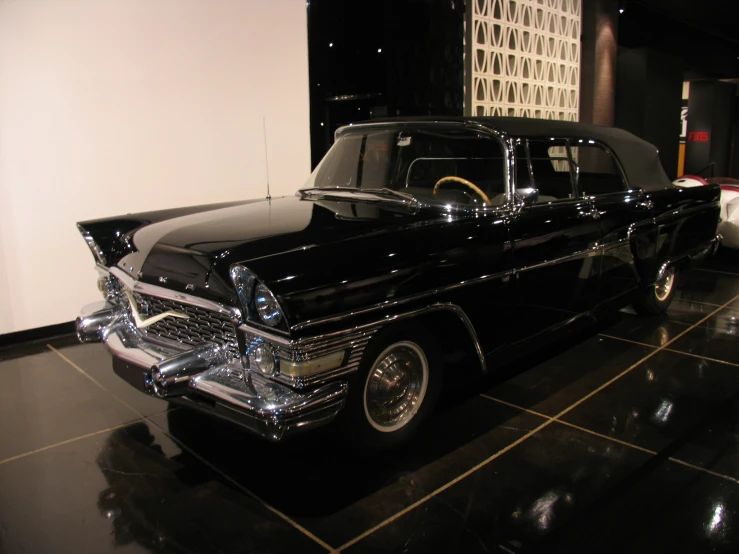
(202, 326)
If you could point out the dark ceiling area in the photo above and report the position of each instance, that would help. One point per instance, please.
(704, 34)
(404, 57)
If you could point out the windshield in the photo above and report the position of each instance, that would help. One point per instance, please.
(442, 165)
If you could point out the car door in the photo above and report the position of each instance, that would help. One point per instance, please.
(622, 214)
(555, 239)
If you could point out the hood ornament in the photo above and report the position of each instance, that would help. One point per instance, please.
(143, 323)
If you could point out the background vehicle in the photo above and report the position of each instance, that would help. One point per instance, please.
(728, 227)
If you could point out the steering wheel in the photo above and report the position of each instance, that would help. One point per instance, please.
(454, 179)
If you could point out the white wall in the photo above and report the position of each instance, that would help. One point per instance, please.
(116, 106)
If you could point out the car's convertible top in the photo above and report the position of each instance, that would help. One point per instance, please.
(639, 158)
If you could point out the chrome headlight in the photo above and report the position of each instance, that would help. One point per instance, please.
(267, 306)
(243, 280)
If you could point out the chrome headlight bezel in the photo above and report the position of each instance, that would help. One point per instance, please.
(243, 281)
(266, 305)
(258, 303)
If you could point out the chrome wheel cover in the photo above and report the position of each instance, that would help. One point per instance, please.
(396, 386)
(663, 287)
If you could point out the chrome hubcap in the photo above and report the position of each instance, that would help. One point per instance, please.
(396, 386)
(663, 287)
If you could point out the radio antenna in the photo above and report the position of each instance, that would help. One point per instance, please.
(266, 157)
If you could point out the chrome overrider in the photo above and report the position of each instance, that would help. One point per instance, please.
(206, 376)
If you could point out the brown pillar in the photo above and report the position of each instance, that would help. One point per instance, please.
(599, 52)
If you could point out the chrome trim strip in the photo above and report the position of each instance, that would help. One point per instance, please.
(168, 294)
(579, 254)
(356, 350)
(404, 300)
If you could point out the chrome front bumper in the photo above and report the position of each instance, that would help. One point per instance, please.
(204, 377)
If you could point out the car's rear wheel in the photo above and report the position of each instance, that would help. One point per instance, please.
(657, 298)
(396, 388)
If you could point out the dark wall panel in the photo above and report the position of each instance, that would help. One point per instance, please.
(648, 100)
(711, 114)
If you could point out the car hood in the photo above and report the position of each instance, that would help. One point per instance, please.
(290, 243)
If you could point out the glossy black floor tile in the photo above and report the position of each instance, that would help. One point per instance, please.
(656, 331)
(659, 400)
(11, 352)
(717, 339)
(714, 445)
(725, 259)
(132, 490)
(514, 503)
(43, 401)
(554, 383)
(705, 286)
(336, 494)
(665, 507)
(96, 361)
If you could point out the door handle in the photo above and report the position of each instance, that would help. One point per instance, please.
(592, 214)
(646, 204)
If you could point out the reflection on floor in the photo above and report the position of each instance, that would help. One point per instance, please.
(623, 439)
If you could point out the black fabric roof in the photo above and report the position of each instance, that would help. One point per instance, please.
(639, 158)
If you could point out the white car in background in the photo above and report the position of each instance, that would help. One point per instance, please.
(728, 227)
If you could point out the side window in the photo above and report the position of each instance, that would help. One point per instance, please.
(550, 168)
(596, 170)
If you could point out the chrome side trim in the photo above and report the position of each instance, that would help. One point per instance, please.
(168, 294)
(393, 303)
(698, 253)
(588, 252)
(355, 339)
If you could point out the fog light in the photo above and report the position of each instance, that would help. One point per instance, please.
(262, 358)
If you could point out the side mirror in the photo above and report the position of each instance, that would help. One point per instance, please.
(528, 196)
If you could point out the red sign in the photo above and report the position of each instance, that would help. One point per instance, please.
(698, 136)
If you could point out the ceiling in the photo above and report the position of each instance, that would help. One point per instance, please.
(704, 33)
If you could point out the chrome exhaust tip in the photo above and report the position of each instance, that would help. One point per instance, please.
(171, 376)
(91, 326)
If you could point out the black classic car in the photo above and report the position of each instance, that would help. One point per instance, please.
(411, 237)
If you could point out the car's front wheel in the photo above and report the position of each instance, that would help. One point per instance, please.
(396, 388)
(657, 298)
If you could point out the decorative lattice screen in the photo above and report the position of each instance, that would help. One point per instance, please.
(524, 58)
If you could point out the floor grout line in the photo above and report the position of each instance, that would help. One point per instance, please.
(693, 302)
(228, 478)
(612, 439)
(527, 435)
(627, 340)
(716, 271)
(701, 357)
(703, 469)
(674, 351)
(91, 378)
(68, 441)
